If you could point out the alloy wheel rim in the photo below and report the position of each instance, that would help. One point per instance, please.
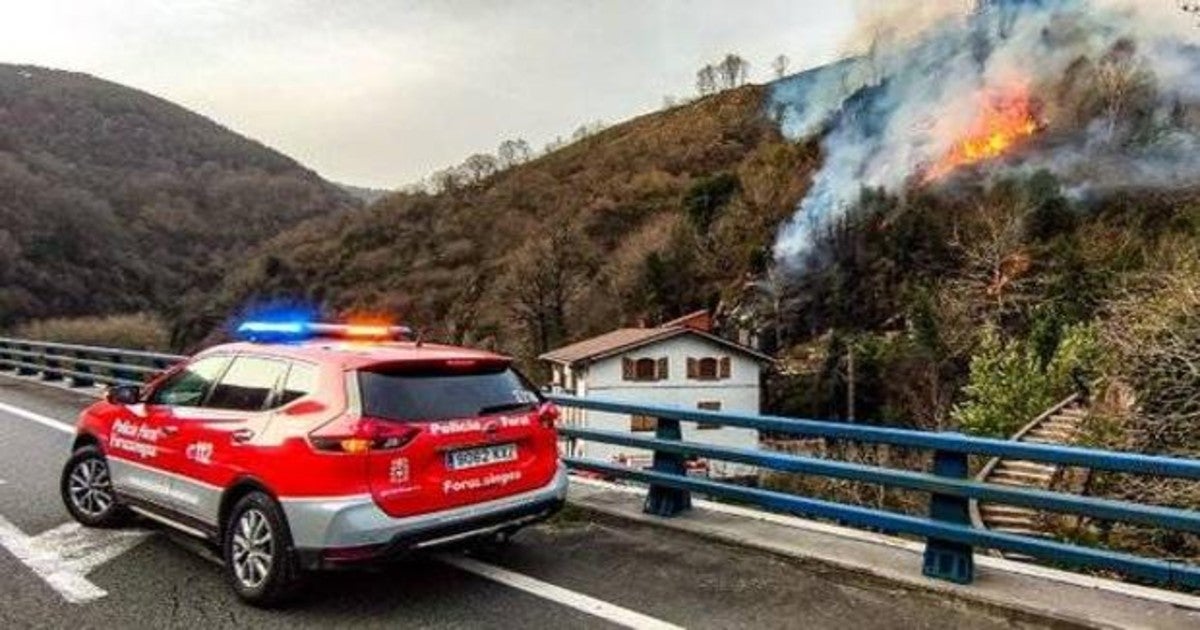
(91, 488)
(253, 548)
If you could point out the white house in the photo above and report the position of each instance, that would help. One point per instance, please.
(680, 363)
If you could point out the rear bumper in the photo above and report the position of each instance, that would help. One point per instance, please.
(332, 523)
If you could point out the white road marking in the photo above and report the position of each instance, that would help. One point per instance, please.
(64, 556)
(43, 555)
(38, 418)
(578, 601)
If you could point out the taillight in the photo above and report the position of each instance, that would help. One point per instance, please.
(548, 415)
(347, 435)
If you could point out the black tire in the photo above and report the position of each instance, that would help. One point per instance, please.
(87, 492)
(262, 574)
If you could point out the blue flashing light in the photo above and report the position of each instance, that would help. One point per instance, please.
(262, 331)
(281, 331)
(283, 328)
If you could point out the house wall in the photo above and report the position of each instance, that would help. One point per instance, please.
(739, 392)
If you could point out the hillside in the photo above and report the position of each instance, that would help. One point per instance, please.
(113, 200)
(641, 222)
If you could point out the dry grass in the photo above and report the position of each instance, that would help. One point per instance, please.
(137, 331)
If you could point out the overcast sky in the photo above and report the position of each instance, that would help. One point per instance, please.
(380, 93)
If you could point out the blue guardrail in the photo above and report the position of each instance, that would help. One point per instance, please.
(948, 532)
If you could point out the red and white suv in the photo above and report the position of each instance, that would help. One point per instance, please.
(296, 455)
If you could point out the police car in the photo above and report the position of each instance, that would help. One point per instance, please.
(310, 446)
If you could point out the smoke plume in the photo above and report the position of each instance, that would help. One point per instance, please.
(1105, 94)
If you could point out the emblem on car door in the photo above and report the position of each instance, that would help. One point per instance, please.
(491, 429)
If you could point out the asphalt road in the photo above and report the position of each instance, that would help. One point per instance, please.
(575, 571)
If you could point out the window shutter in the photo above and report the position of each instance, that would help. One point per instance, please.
(692, 370)
(627, 372)
(663, 369)
(726, 368)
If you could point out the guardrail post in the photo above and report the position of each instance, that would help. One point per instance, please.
(944, 559)
(51, 366)
(5, 357)
(120, 374)
(663, 500)
(24, 370)
(80, 381)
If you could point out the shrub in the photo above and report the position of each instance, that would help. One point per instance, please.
(1009, 385)
(705, 199)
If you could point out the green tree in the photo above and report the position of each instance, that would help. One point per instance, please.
(1009, 384)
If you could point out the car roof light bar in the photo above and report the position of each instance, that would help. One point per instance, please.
(265, 331)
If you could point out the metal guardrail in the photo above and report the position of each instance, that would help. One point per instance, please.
(991, 465)
(949, 533)
(950, 536)
(82, 366)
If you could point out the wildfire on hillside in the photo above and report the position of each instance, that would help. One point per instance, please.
(1005, 119)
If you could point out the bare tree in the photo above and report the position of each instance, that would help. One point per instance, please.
(513, 152)
(1191, 7)
(780, 66)
(557, 143)
(480, 166)
(732, 71)
(995, 261)
(447, 180)
(1121, 83)
(544, 278)
(706, 80)
(587, 130)
(524, 151)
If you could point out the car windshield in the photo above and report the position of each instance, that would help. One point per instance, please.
(427, 394)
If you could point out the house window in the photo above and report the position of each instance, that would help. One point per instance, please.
(644, 369)
(709, 368)
(640, 423)
(708, 405)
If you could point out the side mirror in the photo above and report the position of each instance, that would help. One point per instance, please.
(124, 394)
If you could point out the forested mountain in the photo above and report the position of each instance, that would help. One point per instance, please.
(113, 200)
(638, 222)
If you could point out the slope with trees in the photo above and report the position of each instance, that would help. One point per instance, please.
(638, 222)
(114, 201)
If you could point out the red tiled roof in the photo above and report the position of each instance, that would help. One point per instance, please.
(622, 339)
(607, 343)
(700, 320)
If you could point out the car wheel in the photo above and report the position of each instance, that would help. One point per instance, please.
(260, 562)
(87, 490)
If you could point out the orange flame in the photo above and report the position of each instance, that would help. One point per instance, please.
(1004, 120)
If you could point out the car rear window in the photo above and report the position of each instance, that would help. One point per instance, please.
(436, 393)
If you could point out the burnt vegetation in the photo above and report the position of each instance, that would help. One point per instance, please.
(640, 222)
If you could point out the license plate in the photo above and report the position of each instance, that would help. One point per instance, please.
(481, 456)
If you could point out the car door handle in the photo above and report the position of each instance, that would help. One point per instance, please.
(241, 435)
(169, 429)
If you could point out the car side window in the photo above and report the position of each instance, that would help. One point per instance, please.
(247, 385)
(189, 386)
(301, 381)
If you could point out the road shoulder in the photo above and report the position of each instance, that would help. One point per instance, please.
(1035, 592)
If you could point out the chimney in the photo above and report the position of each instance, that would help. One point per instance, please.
(699, 320)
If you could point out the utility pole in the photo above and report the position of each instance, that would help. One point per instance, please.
(850, 394)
